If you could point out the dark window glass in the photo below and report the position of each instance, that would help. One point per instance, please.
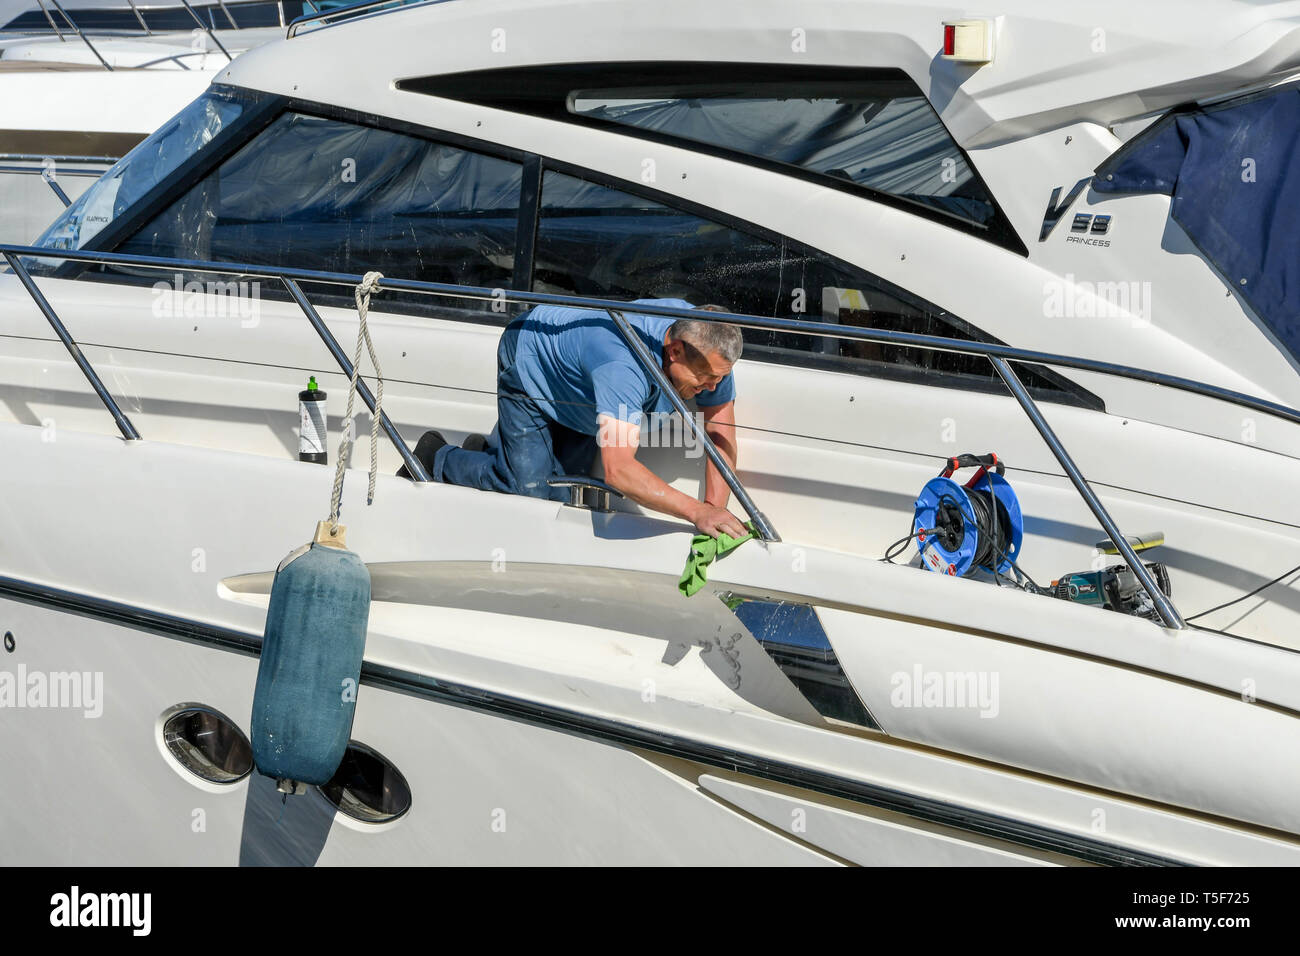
(245, 15)
(594, 240)
(258, 14)
(172, 18)
(884, 136)
(36, 21)
(317, 193)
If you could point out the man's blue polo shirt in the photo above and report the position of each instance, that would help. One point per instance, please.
(576, 365)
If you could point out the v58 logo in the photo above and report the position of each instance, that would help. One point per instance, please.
(1100, 224)
(1084, 222)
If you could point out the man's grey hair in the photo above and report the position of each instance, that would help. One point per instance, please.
(710, 337)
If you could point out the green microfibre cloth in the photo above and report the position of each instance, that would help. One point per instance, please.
(703, 552)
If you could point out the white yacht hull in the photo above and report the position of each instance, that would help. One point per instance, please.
(835, 459)
(531, 669)
(535, 726)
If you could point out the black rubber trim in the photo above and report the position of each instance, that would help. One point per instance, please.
(545, 91)
(530, 214)
(940, 812)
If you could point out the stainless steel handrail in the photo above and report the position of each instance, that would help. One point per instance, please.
(998, 355)
(1164, 607)
(123, 423)
(58, 191)
(222, 5)
(332, 14)
(38, 170)
(49, 180)
(798, 326)
(344, 13)
(35, 158)
(764, 527)
(144, 26)
(77, 30)
(412, 463)
(204, 27)
(53, 25)
(175, 58)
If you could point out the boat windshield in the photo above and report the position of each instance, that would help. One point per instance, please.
(141, 169)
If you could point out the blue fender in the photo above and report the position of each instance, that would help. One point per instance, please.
(310, 670)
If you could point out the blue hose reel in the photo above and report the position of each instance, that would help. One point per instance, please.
(960, 529)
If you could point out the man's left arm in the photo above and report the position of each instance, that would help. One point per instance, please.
(719, 425)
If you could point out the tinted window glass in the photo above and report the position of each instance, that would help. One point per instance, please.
(316, 193)
(192, 129)
(172, 17)
(214, 18)
(882, 136)
(597, 241)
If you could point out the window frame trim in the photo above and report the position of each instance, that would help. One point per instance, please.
(246, 126)
(271, 106)
(1000, 231)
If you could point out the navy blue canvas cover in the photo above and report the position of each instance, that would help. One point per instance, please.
(1233, 170)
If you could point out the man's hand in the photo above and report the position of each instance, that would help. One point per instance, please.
(710, 520)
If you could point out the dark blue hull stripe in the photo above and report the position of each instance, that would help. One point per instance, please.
(939, 812)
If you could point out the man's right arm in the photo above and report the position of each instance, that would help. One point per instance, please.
(618, 441)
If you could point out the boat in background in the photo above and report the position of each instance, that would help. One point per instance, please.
(84, 82)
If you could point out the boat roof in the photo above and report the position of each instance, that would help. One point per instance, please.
(1053, 64)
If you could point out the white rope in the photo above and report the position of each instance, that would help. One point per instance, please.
(369, 284)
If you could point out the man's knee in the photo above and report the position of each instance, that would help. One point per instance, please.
(512, 468)
(526, 467)
(532, 486)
